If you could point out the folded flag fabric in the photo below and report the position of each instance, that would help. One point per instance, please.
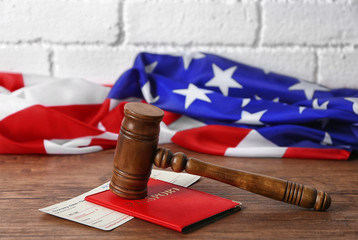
(53, 116)
(212, 105)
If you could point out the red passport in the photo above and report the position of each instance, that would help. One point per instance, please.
(175, 207)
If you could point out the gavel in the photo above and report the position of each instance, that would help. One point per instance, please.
(137, 150)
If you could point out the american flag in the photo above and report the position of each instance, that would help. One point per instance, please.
(212, 105)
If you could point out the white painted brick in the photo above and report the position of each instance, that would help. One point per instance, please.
(86, 35)
(338, 69)
(98, 64)
(294, 62)
(191, 22)
(105, 65)
(24, 59)
(59, 21)
(310, 22)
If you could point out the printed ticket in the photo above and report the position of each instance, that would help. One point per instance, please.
(93, 215)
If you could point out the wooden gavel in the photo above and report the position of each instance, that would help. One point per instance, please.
(136, 150)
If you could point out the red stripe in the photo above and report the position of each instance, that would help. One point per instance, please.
(112, 120)
(39, 122)
(83, 113)
(211, 139)
(104, 143)
(317, 153)
(11, 81)
(7, 146)
(170, 117)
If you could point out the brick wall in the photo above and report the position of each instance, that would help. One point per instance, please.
(316, 40)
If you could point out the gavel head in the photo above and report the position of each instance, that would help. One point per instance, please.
(136, 147)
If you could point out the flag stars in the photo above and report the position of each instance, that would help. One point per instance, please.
(223, 79)
(251, 118)
(257, 97)
(301, 109)
(355, 103)
(189, 56)
(193, 93)
(327, 140)
(147, 94)
(322, 106)
(245, 101)
(308, 88)
(150, 67)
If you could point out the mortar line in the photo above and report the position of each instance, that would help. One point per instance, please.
(258, 32)
(120, 25)
(316, 65)
(50, 59)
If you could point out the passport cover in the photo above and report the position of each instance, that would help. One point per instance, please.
(172, 206)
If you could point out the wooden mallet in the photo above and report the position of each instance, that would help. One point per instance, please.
(136, 151)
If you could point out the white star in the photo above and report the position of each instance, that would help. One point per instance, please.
(266, 71)
(355, 104)
(147, 95)
(245, 101)
(308, 88)
(223, 79)
(301, 108)
(150, 67)
(189, 56)
(192, 93)
(327, 140)
(257, 97)
(316, 105)
(251, 118)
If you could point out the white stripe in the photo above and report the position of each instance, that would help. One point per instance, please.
(181, 124)
(184, 123)
(108, 136)
(276, 152)
(255, 145)
(101, 127)
(4, 90)
(34, 79)
(61, 92)
(77, 145)
(165, 134)
(254, 139)
(54, 148)
(115, 102)
(10, 105)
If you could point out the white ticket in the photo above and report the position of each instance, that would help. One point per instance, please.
(90, 214)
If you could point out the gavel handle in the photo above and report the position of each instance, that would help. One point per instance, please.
(275, 188)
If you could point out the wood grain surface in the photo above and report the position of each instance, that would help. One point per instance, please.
(30, 182)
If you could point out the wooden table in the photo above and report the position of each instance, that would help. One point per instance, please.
(30, 182)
